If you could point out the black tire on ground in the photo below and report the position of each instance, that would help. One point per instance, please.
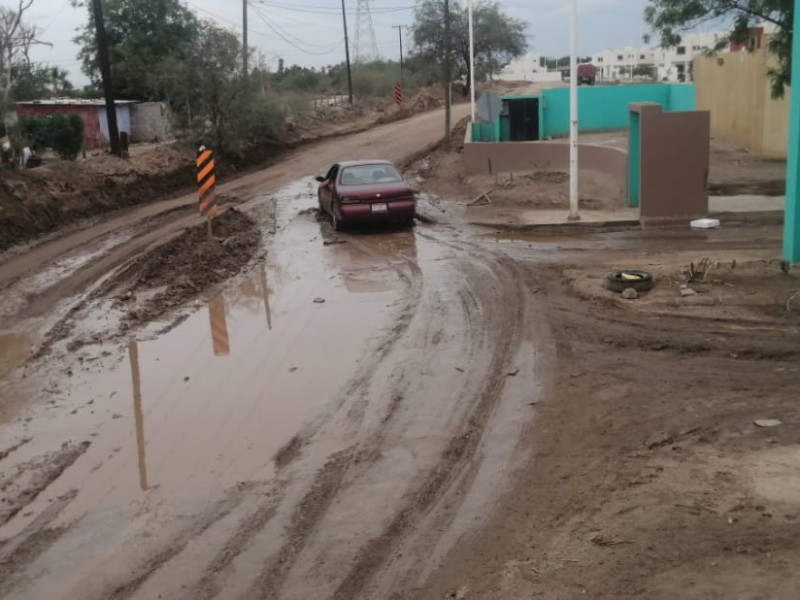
(616, 283)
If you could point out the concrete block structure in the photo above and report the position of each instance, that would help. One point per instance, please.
(668, 160)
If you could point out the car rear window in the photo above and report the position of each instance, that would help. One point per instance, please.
(370, 174)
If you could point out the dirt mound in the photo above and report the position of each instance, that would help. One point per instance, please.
(187, 265)
(37, 201)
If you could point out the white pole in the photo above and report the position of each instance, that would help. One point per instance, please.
(471, 61)
(573, 115)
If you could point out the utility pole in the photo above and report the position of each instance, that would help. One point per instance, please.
(447, 90)
(244, 37)
(400, 33)
(347, 56)
(105, 73)
(573, 115)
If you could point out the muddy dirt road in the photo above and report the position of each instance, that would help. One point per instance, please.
(441, 412)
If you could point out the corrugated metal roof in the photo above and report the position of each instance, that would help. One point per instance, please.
(72, 102)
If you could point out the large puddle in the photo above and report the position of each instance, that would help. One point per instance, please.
(209, 403)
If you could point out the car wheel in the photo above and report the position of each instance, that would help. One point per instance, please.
(619, 281)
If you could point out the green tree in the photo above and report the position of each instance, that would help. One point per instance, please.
(31, 81)
(497, 37)
(143, 36)
(669, 18)
(221, 108)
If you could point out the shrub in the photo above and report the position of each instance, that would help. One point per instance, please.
(65, 133)
(62, 133)
(32, 132)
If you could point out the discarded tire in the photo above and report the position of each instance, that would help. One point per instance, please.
(622, 279)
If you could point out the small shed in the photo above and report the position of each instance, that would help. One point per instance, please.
(92, 112)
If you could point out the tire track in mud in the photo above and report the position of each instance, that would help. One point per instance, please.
(455, 459)
(200, 524)
(304, 521)
(413, 281)
(453, 467)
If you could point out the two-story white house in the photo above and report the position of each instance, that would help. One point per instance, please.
(528, 67)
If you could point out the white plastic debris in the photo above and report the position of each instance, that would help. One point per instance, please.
(704, 223)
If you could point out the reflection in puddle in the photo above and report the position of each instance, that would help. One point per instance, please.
(220, 340)
(133, 356)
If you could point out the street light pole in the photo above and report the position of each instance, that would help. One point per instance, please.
(573, 115)
(471, 62)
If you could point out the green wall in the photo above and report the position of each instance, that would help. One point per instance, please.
(486, 132)
(605, 107)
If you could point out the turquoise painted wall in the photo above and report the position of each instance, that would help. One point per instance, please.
(605, 107)
(681, 97)
(486, 132)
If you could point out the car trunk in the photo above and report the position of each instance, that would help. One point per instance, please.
(376, 193)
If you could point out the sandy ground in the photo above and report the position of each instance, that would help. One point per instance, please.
(442, 412)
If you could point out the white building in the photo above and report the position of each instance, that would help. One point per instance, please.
(675, 63)
(528, 67)
(671, 64)
(620, 63)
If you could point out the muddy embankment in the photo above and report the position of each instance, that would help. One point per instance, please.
(59, 194)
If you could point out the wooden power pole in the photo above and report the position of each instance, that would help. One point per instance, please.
(347, 56)
(244, 37)
(105, 73)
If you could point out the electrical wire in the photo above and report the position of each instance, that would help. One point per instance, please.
(285, 36)
(330, 10)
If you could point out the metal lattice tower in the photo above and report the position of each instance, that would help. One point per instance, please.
(366, 46)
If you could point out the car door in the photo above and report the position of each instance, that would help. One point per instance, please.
(327, 188)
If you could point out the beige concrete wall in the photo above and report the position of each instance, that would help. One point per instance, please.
(503, 157)
(735, 88)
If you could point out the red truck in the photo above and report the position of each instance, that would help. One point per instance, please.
(587, 73)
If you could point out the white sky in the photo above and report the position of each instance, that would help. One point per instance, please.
(315, 27)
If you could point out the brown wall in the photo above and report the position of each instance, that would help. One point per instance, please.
(530, 156)
(673, 164)
(735, 88)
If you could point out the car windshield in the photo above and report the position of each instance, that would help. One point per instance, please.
(370, 174)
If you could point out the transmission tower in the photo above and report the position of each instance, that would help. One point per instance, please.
(366, 46)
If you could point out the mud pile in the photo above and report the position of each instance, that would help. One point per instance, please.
(37, 201)
(187, 265)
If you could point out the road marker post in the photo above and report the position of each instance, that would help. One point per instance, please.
(398, 94)
(206, 174)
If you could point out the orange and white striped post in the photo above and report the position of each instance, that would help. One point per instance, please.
(398, 94)
(207, 184)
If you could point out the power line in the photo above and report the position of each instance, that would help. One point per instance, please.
(294, 44)
(327, 10)
(291, 36)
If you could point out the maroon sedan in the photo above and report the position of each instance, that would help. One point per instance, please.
(365, 191)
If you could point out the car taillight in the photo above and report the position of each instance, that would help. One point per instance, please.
(346, 200)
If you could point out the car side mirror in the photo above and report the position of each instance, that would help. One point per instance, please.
(319, 178)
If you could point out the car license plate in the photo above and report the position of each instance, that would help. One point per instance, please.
(379, 207)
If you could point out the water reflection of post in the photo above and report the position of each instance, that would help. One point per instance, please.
(219, 326)
(133, 354)
(265, 291)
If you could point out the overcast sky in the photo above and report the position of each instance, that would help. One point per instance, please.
(309, 32)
